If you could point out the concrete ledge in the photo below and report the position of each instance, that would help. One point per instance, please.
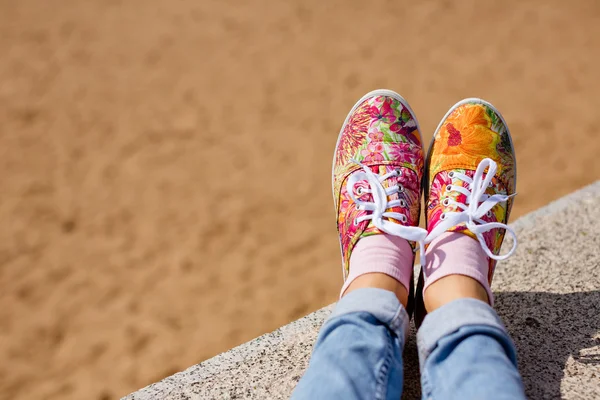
(548, 294)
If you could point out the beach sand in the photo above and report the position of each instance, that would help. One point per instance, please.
(165, 166)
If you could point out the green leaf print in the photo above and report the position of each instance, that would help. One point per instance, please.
(388, 136)
(405, 115)
(497, 125)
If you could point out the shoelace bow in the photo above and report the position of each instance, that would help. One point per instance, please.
(471, 214)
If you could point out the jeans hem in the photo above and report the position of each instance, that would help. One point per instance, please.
(382, 304)
(451, 317)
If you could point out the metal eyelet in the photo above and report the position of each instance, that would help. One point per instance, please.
(446, 202)
(489, 214)
(403, 218)
(359, 191)
(400, 188)
(355, 222)
(402, 203)
(451, 174)
(443, 216)
(398, 172)
(448, 188)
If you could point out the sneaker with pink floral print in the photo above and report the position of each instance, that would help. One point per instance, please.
(376, 179)
(469, 184)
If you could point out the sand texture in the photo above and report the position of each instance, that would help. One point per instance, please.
(165, 165)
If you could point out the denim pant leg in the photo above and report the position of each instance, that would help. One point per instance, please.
(465, 353)
(358, 354)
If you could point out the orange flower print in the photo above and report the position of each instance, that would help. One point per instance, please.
(466, 134)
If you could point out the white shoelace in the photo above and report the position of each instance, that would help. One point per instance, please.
(471, 213)
(381, 204)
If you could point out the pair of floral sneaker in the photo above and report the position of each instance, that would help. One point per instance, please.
(379, 172)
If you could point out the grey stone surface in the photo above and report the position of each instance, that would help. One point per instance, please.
(548, 294)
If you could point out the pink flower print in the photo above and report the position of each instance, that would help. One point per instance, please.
(434, 218)
(375, 136)
(354, 134)
(411, 180)
(373, 152)
(383, 113)
(401, 153)
(438, 185)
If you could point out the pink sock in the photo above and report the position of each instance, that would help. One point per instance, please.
(384, 253)
(455, 253)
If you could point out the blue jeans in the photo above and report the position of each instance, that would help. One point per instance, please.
(464, 352)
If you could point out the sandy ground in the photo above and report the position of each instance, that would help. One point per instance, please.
(164, 165)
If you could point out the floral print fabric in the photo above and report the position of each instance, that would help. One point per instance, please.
(382, 134)
(470, 133)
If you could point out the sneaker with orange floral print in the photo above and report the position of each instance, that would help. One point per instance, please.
(376, 174)
(469, 184)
